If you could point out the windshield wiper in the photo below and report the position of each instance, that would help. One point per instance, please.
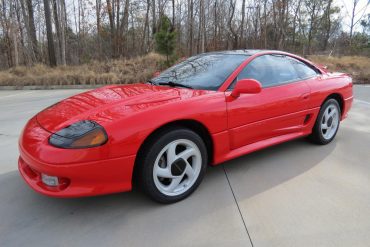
(151, 82)
(174, 84)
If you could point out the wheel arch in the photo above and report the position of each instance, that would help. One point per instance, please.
(339, 98)
(191, 124)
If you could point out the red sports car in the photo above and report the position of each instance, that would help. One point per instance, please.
(162, 134)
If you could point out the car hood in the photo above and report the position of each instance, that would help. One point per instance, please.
(134, 96)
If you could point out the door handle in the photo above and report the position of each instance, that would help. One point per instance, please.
(305, 96)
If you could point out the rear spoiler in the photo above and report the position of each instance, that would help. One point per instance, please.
(323, 67)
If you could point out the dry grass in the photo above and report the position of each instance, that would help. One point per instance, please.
(142, 68)
(357, 66)
(95, 73)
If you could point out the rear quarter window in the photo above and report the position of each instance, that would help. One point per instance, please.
(304, 71)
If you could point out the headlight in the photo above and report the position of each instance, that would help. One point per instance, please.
(83, 134)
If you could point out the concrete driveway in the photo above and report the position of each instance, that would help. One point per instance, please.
(294, 194)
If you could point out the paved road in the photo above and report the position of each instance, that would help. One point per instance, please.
(294, 194)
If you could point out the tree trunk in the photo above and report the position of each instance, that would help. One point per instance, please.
(28, 32)
(111, 23)
(215, 23)
(190, 27)
(154, 21)
(98, 25)
(5, 28)
(144, 42)
(27, 55)
(49, 33)
(118, 35)
(242, 26)
(63, 30)
(133, 50)
(124, 26)
(13, 32)
(328, 24)
(173, 13)
(57, 28)
(98, 18)
(265, 23)
(31, 23)
(294, 22)
(202, 27)
(233, 32)
(352, 20)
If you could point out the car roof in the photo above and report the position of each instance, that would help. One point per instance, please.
(248, 52)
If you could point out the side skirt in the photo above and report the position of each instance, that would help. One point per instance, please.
(257, 146)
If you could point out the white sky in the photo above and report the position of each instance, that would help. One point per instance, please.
(346, 6)
(362, 9)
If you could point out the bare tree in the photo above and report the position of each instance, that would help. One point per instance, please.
(233, 30)
(353, 15)
(13, 31)
(34, 31)
(31, 23)
(145, 40)
(60, 40)
(202, 26)
(313, 8)
(110, 10)
(63, 24)
(190, 24)
(242, 40)
(125, 24)
(49, 32)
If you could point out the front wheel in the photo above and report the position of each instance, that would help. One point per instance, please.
(327, 123)
(173, 165)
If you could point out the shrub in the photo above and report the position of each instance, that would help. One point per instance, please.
(121, 71)
(357, 66)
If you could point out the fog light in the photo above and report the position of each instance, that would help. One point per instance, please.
(49, 180)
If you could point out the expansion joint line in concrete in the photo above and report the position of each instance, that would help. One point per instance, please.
(237, 205)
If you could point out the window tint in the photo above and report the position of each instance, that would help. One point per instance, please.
(207, 71)
(258, 69)
(303, 70)
(270, 70)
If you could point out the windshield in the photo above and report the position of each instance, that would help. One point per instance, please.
(206, 71)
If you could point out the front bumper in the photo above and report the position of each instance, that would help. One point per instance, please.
(80, 178)
(84, 179)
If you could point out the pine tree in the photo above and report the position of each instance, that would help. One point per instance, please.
(165, 38)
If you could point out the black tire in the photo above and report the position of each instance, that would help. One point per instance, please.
(317, 135)
(149, 154)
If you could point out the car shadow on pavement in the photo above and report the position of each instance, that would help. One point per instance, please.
(260, 171)
(257, 172)
(28, 218)
(23, 211)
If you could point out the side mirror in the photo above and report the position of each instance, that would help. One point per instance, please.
(247, 86)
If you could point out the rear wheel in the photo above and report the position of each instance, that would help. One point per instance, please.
(172, 165)
(327, 123)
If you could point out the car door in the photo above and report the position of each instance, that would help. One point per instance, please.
(279, 109)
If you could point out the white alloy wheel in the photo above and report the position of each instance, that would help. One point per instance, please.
(177, 167)
(329, 121)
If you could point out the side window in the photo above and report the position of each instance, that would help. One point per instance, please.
(303, 70)
(283, 70)
(257, 69)
(270, 70)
